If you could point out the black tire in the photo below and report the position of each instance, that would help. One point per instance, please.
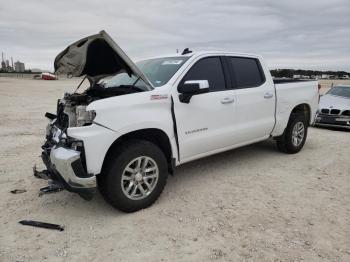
(284, 142)
(110, 180)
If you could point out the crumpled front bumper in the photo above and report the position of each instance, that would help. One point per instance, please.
(65, 165)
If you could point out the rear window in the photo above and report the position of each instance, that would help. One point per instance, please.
(246, 72)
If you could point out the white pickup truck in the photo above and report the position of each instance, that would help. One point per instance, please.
(137, 122)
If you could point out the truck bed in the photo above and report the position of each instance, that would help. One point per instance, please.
(291, 92)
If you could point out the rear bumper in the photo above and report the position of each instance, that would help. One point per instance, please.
(332, 121)
(65, 167)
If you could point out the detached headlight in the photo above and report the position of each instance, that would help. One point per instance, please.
(84, 118)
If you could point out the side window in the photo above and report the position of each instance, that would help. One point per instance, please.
(208, 69)
(247, 72)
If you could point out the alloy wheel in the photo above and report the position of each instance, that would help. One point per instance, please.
(139, 178)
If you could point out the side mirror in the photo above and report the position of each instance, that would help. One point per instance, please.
(190, 88)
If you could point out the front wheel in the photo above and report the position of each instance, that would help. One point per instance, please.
(293, 138)
(134, 176)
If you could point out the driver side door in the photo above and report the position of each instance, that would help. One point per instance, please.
(205, 124)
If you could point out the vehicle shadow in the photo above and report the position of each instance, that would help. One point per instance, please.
(213, 165)
(224, 161)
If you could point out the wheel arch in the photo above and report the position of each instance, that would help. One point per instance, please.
(303, 108)
(283, 119)
(153, 135)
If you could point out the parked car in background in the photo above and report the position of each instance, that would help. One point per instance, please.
(45, 76)
(334, 108)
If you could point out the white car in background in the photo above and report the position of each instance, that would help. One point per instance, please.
(334, 108)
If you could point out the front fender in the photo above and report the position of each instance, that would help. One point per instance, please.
(97, 140)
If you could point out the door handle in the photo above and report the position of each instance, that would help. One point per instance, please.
(268, 95)
(227, 100)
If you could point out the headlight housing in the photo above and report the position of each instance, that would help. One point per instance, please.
(84, 118)
(346, 113)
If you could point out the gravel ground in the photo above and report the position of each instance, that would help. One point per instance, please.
(249, 204)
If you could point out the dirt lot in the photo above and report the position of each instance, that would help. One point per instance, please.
(250, 204)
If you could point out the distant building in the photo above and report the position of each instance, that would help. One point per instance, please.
(3, 64)
(19, 67)
(296, 76)
(8, 67)
(344, 77)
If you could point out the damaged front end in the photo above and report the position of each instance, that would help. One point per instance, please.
(64, 158)
(93, 57)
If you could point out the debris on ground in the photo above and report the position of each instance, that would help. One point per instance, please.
(41, 224)
(44, 174)
(18, 191)
(51, 188)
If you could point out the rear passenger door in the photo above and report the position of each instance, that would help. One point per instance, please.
(255, 99)
(205, 123)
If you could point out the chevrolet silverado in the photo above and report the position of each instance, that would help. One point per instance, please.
(137, 121)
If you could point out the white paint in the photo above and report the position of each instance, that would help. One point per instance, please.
(211, 123)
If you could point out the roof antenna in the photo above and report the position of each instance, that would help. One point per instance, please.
(186, 51)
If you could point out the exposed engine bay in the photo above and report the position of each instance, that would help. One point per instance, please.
(110, 73)
(71, 109)
(94, 57)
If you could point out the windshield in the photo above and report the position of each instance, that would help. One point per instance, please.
(343, 91)
(158, 71)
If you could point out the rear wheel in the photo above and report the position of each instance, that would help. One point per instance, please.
(134, 176)
(293, 138)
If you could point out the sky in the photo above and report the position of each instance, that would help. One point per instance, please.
(308, 34)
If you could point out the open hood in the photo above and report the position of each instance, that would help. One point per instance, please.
(96, 56)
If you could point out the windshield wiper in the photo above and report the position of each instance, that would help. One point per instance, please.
(130, 87)
(97, 91)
